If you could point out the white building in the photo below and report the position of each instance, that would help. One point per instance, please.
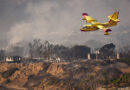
(13, 58)
(89, 56)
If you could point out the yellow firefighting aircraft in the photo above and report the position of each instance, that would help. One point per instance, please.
(95, 25)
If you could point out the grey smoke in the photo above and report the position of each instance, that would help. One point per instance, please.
(59, 21)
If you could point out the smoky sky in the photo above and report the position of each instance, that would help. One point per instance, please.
(59, 21)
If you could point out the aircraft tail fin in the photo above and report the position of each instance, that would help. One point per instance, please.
(114, 17)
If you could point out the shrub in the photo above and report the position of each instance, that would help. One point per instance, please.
(9, 72)
(125, 79)
(53, 81)
(110, 74)
(125, 60)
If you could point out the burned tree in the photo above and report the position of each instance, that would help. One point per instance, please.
(48, 50)
(35, 48)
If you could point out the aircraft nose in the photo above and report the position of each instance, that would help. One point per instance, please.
(81, 30)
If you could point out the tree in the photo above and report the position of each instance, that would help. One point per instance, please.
(76, 52)
(61, 51)
(2, 54)
(48, 50)
(35, 48)
(125, 51)
(107, 51)
(79, 52)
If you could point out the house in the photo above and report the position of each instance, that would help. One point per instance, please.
(13, 59)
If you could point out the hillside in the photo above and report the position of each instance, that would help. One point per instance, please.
(82, 75)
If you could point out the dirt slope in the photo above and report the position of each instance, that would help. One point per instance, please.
(86, 75)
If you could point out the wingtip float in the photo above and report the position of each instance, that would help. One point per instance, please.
(95, 25)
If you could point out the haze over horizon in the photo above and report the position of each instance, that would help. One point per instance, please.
(60, 21)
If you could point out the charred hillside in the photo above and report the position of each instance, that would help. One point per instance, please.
(79, 75)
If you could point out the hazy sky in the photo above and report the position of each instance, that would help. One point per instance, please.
(59, 21)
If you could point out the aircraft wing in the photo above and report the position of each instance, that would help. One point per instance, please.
(89, 19)
(101, 27)
(89, 25)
